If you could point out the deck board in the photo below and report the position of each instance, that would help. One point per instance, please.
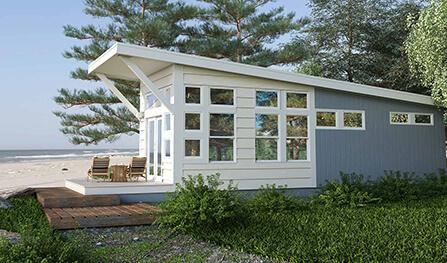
(57, 197)
(107, 216)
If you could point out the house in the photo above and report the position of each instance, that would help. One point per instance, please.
(259, 126)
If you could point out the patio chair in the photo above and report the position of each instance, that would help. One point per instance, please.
(137, 168)
(99, 169)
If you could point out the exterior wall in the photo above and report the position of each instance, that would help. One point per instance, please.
(245, 170)
(164, 80)
(382, 146)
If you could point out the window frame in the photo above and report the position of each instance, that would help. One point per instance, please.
(412, 119)
(233, 137)
(307, 138)
(200, 156)
(340, 121)
(221, 105)
(277, 137)
(296, 92)
(278, 102)
(200, 119)
(201, 96)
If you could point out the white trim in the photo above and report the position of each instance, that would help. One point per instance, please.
(339, 120)
(109, 84)
(412, 118)
(151, 87)
(249, 70)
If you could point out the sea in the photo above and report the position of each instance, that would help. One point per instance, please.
(7, 156)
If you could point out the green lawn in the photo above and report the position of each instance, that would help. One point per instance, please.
(406, 231)
(399, 232)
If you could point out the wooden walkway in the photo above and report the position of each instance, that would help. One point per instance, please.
(66, 209)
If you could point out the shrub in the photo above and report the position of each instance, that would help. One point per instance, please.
(395, 185)
(273, 199)
(200, 203)
(349, 192)
(39, 243)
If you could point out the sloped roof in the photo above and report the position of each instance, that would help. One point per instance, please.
(152, 60)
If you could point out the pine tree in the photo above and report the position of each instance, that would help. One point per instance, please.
(153, 23)
(361, 41)
(238, 30)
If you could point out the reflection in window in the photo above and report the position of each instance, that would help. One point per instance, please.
(296, 126)
(296, 100)
(167, 148)
(296, 149)
(296, 141)
(353, 119)
(266, 98)
(192, 148)
(326, 119)
(222, 96)
(400, 118)
(221, 124)
(192, 121)
(192, 95)
(151, 101)
(422, 118)
(266, 137)
(266, 125)
(221, 149)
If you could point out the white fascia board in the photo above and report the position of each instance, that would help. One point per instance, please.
(256, 71)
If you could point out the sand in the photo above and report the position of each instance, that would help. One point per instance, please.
(46, 173)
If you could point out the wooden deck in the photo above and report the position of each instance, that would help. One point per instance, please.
(58, 197)
(104, 216)
(66, 209)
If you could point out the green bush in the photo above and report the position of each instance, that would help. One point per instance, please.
(349, 192)
(199, 203)
(395, 185)
(39, 243)
(273, 199)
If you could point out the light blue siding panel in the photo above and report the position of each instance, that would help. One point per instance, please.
(381, 146)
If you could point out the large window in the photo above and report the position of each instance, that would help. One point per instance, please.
(297, 137)
(408, 118)
(221, 96)
(221, 137)
(266, 137)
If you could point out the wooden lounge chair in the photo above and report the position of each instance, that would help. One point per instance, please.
(137, 168)
(100, 168)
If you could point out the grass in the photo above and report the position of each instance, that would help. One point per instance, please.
(404, 231)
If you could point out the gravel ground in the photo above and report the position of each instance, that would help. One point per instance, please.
(152, 244)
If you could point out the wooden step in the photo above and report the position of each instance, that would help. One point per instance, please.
(104, 216)
(61, 197)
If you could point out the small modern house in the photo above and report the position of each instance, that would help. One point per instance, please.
(259, 126)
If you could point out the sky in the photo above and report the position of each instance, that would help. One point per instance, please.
(32, 69)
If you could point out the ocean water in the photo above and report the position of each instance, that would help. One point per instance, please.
(26, 155)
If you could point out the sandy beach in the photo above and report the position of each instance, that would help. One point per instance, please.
(43, 173)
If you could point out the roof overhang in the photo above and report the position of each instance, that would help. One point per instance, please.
(151, 60)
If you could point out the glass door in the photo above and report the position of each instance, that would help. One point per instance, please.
(154, 148)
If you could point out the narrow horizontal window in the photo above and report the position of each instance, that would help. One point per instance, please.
(222, 96)
(221, 149)
(192, 121)
(400, 118)
(266, 98)
(192, 148)
(353, 120)
(192, 95)
(296, 100)
(326, 119)
(423, 118)
(221, 124)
